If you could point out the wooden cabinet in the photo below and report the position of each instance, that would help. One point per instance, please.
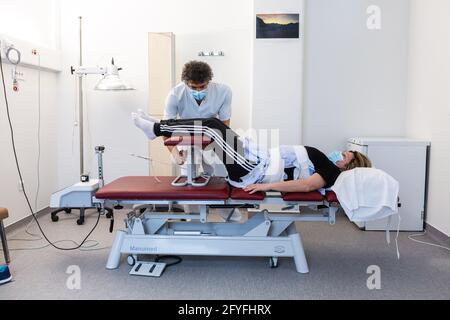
(161, 64)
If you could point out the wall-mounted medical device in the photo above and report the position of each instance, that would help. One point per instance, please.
(49, 58)
(13, 56)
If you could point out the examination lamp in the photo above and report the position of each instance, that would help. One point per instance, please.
(111, 81)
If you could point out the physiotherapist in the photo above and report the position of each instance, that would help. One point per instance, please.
(198, 97)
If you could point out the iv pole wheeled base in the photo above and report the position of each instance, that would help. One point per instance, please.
(80, 221)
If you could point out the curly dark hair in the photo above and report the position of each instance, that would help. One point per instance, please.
(197, 72)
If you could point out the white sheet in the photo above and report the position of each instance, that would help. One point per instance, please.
(367, 194)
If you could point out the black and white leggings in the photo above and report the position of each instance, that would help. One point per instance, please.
(227, 145)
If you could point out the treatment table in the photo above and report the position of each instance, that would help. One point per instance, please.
(153, 227)
(265, 234)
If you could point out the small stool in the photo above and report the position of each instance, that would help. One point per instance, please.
(192, 178)
(4, 215)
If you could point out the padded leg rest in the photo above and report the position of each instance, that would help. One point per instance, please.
(188, 141)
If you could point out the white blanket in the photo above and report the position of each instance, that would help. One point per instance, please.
(367, 194)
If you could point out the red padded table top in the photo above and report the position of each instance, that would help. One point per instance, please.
(240, 194)
(188, 141)
(331, 197)
(314, 196)
(148, 188)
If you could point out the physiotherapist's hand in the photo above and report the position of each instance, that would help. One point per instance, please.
(263, 187)
(179, 156)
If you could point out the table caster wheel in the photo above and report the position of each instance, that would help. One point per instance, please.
(80, 222)
(131, 260)
(55, 218)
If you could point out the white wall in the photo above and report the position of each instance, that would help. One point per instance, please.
(36, 25)
(123, 27)
(277, 77)
(428, 99)
(32, 21)
(355, 78)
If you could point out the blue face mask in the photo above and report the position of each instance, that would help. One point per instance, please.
(335, 156)
(198, 95)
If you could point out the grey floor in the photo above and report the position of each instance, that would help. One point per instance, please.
(338, 258)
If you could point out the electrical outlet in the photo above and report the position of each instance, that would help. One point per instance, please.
(18, 75)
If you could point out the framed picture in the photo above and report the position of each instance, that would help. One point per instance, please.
(278, 26)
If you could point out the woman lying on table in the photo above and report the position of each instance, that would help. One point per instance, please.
(253, 168)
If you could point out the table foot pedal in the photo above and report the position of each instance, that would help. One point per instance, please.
(148, 269)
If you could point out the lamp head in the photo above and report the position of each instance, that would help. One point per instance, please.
(111, 80)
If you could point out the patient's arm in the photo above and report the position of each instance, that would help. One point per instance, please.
(313, 183)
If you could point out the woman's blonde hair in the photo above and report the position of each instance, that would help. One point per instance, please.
(359, 160)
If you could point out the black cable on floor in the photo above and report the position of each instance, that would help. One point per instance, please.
(162, 258)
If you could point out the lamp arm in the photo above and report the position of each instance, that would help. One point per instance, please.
(83, 70)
